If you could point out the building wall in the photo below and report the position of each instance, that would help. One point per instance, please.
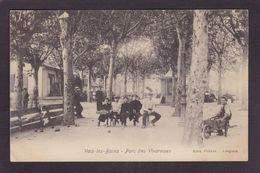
(166, 89)
(40, 83)
(43, 88)
(45, 83)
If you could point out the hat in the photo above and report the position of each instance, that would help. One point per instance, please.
(224, 97)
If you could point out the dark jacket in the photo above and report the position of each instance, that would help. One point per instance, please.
(77, 82)
(125, 108)
(99, 95)
(107, 106)
(25, 96)
(77, 98)
(135, 105)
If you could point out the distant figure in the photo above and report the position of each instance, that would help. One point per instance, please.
(148, 110)
(163, 100)
(77, 82)
(77, 98)
(25, 97)
(99, 99)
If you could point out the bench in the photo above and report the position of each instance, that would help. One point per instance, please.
(24, 119)
(52, 114)
(36, 117)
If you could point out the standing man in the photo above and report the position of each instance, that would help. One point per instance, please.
(99, 99)
(148, 110)
(25, 98)
(77, 81)
(77, 99)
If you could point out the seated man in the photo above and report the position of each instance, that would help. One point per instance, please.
(136, 106)
(124, 112)
(106, 112)
(148, 110)
(223, 116)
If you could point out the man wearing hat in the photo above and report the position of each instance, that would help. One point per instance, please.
(223, 115)
(135, 107)
(77, 98)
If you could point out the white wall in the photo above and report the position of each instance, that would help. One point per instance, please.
(42, 78)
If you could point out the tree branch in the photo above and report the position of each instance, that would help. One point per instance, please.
(132, 29)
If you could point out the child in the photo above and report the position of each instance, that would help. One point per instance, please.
(106, 112)
(116, 107)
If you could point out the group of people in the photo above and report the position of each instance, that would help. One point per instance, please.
(128, 108)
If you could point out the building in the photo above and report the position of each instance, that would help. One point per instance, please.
(49, 80)
(167, 86)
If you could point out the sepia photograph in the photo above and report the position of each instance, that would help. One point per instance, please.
(129, 85)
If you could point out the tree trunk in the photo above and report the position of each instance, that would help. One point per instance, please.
(219, 79)
(65, 41)
(183, 94)
(82, 77)
(133, 84)
(105, 83)
(111, 70)
(238, 87)
(180, 74)
(143, 87)
(114, 87)
(125, 82)
(209, 68)
(198, 80)
(89, 84)
(35, 90)
(18, 84)
(207, 86)
(138, 86)
(174, 81)
(244, 79)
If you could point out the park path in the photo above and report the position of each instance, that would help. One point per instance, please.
(82, 143)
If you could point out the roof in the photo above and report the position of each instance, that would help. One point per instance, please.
(50, 66)
(169, 73)
(49, 62)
